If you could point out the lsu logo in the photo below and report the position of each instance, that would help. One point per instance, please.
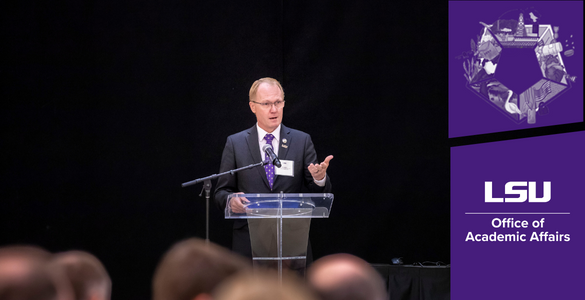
(521, 193)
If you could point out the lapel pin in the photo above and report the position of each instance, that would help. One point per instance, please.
(284, 141)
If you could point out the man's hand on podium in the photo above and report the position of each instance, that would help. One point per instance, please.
(237, 204)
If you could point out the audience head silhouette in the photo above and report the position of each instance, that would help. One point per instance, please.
(24, 274)
(345, 277)
(192, 268)
(264, 284)
(87, 276)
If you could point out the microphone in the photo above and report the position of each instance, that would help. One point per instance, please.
(268, 149)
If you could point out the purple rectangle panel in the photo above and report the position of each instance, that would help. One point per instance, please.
(514, 65)
(517, 218)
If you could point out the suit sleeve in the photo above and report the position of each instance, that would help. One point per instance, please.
(227, 184)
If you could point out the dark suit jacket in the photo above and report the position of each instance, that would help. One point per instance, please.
(242, 149)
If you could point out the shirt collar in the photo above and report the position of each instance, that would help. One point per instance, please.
(262, 133)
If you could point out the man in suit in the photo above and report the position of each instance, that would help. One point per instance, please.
(244, 148)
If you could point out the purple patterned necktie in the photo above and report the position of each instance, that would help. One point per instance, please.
(269, 168)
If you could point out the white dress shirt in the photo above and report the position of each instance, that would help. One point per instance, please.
(262, 141)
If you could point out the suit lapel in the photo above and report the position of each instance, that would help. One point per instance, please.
(252, 140)
(285, 140)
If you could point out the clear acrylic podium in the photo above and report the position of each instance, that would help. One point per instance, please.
(279, 226)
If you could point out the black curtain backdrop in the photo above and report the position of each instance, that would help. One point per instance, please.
(109, 106)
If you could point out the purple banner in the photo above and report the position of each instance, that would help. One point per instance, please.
(514, 65)
(517, 218)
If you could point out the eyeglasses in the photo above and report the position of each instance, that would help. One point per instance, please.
(277, 104)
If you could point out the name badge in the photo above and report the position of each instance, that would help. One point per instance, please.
(286, 168)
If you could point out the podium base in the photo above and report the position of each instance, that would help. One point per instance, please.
(295, 264)
(280, 243)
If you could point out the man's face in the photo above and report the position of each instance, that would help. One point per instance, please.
(268, 117)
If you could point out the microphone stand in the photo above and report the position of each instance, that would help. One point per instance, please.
(207, 188)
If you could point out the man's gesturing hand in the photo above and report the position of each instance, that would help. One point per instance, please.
(318, 170)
